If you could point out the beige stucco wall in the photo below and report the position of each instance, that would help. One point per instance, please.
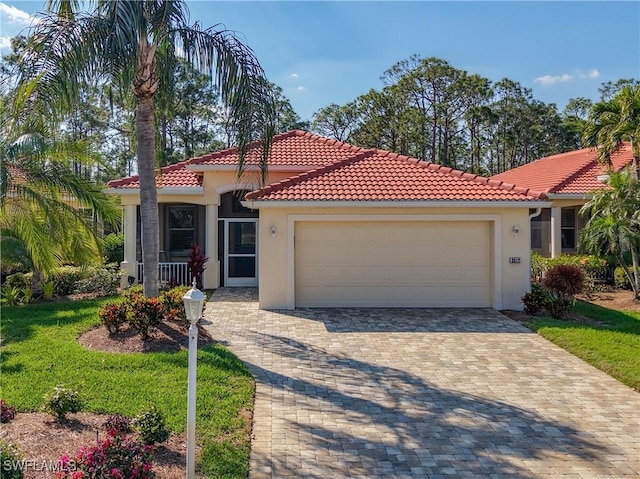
(215, 183)
(510, 281)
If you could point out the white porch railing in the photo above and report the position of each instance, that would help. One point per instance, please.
(176, 273)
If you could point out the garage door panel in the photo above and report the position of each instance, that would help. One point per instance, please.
(393, 264)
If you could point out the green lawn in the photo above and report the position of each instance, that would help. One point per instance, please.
(40, 350)
(613, 347)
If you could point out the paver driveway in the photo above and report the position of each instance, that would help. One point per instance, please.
(422, 393)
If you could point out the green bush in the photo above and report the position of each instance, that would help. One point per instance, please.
(535, 300)
(48, 290)
(19, 280)
(151, 426)
(113, 248)
(620, 278)
(538, 266)
(558, 307)
(10, 461)
(61, 401)
(103, 281)
(66, 277)
(11, 295)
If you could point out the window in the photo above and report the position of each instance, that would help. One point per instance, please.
(536, 232)
(568, 228)
(182, 228)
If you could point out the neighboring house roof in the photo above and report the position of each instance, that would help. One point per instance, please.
(376, 175)
(296, 149)
(574, 172)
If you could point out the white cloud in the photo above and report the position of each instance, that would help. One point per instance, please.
(553, 79)
(566, 77)
(5, 42)
(294, 75)
(300, 88)
(15, 16)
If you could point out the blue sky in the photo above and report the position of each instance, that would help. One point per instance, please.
(331, 52)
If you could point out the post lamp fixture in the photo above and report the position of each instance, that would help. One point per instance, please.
(193, 302)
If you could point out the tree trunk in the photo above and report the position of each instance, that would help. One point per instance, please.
(145, 85)
(148, 195)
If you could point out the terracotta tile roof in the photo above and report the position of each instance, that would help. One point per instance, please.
(295, 149)
(574, 172)
(173, 176)
(376, 175)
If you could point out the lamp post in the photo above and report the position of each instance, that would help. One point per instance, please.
(193, 302)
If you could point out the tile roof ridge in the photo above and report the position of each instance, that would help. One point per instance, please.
(331, 141)
(307, 175)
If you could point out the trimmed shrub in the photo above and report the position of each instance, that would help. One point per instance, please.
(538, 266)
(61, 401)
(115, 425)
(564, 280)
(66, 277)
(19, 280)
(10, 461)
(103, 281)
(113, 316)
(173, 305)
(145, 314)
(620, 278)
(535, 300)
(116, 457)
(7, 413)
(113, 248)
(151, 426)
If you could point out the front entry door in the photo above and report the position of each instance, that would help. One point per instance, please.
(240, 258)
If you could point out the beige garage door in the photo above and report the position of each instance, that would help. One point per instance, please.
(393, 264)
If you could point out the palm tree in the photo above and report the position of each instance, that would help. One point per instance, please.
(614, 224)
(613, 121)
(44, 205)
(135, 43)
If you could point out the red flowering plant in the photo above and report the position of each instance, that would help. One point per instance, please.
(116, 457)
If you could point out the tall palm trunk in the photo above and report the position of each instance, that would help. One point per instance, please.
(145, 85)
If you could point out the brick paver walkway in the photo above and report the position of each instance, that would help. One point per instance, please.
(422, 393)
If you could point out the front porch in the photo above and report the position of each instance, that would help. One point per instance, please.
(556, 231)
(226, 233)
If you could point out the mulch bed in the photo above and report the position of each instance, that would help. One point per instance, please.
(42, 441)
(168, 338)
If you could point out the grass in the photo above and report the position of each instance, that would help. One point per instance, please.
(611, 343)
(40, 351)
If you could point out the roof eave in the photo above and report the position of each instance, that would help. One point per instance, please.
(570, 196)
(532, 203)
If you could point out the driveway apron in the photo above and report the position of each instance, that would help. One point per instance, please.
(438, 393)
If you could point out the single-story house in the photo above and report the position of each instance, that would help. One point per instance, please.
(569, 180)
(341, 226)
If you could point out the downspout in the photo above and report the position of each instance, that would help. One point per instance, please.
(536, 212)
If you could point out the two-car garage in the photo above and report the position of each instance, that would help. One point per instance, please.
(393, 263)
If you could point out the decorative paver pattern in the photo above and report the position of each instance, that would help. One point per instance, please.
(422, 393)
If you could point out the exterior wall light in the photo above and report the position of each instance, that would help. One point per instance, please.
(273, 231)
(516, 231)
